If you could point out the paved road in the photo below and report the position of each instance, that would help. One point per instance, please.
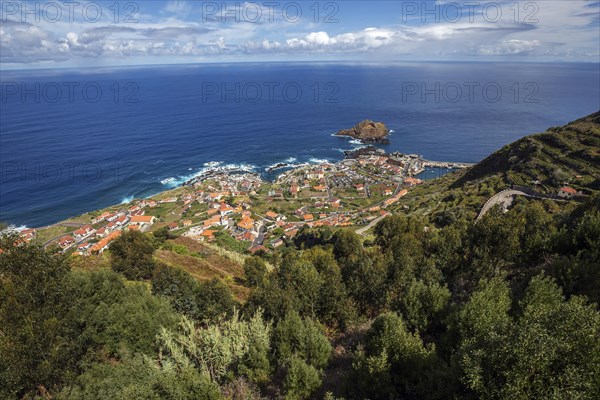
(504, 199)
(71, 224)
(260, 238)
(362, 231)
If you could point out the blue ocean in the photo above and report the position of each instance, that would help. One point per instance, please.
(73, 141)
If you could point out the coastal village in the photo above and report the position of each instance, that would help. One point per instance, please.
(240, 210)
(256, 214)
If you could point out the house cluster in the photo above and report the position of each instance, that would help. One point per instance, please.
(384, 163)
(96, 237)
(28, 234)
(394, 199)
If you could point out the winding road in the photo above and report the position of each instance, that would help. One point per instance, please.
(505, 199)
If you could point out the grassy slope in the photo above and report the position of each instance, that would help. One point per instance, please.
(204, 263)
(201, 262)
(554, 158)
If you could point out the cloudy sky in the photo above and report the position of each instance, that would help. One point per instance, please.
(61, 33)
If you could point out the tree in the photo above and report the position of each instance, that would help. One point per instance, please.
(117, 317)
(347, 245)
(201, 301)
(365, 279)
(396, 364)
(218, 349)
(422, 304)
(255, 271)
(334, 307)
(551, 350)
(307, 238)
(214, 300)
(131, 254)
(301, 380)
(39, 343)
(140, 378)
(179, 287)
(554, 352)
(163, 234)
(303, 338)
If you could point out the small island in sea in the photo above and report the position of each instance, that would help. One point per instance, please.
(367, 131)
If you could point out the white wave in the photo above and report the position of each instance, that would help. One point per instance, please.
(392, 131)
(314, 160)
(212, 166)
(14, 228)
(356, 142)
(127, 200)
(238, 167)
(291, 160)
(168, 180)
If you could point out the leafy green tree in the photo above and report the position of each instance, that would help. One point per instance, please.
(301, 379)
(550, 350)
(302, 278)
(365, 279)
(163, 234)
(201, 301)
(390, 228)
(334, 307)
(492, 248)
(347, 245)
(180, 287)
(396, 364)
(554, 352)
(303, 338)
(117, 317)
(214, 300)
(422, 304)
(482, 325)
(131, 254)
(140, 378)
(307, 238)
(577, 254)
(39, 343)
(255, 270)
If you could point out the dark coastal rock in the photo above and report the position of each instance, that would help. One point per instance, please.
(368, 132)
(363, 151)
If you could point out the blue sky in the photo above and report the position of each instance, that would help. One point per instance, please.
(42, 34)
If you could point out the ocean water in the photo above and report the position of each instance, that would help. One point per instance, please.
(72, 141)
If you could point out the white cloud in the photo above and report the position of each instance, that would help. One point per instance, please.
(178, 7)
(565, 30)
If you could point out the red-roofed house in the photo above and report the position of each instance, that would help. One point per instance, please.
(84, 231)
(566, 192)
(143, 221)
(101, 217)
(66, 241)
(246, 223)
(103, 244)
(272, 215)
(121, 220)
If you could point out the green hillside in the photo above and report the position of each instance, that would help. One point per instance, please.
(567, 155)
(563, 155)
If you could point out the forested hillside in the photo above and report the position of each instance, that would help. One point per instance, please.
(431, 306)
